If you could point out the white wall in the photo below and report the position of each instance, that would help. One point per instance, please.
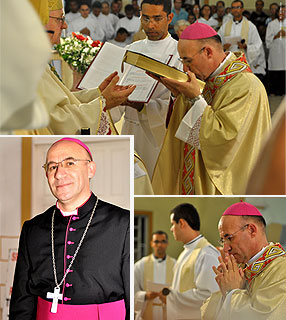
(10, 203)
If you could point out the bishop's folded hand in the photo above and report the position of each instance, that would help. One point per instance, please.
(229, 276)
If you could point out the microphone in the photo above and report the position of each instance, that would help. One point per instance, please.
(50, 31)
(166, 291)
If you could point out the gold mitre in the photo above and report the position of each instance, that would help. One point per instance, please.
(43, 7)
(55, 4)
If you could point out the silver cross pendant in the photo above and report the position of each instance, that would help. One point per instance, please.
(56, 296)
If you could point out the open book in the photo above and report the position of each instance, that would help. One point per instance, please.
(111, 58)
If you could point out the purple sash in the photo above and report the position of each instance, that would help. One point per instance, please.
(105, 311)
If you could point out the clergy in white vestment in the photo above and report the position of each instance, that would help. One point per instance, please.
(155, 268)
(111, 17)
(121, 38)
(70, 111)
(102, 20)
(251, 274)
(276, 43)
(147, 122)
(21, 70)
(73, 13)
(194, 280)
(86, 25)
(240, 26)
(130, 22)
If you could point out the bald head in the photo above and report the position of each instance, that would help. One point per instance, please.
(70, 172)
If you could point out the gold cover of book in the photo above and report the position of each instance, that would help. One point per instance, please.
(156, 67)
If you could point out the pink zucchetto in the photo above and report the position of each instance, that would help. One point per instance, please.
(78, 142)
(198, 31)
(242, 209)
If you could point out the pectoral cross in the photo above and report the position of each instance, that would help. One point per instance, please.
(56, 296)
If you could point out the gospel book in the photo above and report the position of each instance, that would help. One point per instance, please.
(156, 67)
(108, 60)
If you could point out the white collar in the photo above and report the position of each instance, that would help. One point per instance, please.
(159, 260)
(219, 69)
(190, 244)
(257, 255)
(67, 213)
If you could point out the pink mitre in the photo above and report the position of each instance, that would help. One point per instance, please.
(198, 31)
(242, 209)
(78, 142)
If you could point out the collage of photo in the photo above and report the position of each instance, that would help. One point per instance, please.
(142, 160)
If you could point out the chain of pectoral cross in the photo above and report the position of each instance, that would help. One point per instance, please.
(56, 295)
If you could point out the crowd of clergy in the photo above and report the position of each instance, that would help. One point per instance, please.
(120, 25)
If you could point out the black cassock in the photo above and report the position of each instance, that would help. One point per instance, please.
(100, 272)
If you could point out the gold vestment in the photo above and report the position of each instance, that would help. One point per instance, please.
(232, 129)
(70, 111)
(264, 300)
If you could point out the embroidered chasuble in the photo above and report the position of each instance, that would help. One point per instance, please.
(98, 282)
(264, 297)
(193, 280)
(231, 134)
(70, 111)
(150, 269)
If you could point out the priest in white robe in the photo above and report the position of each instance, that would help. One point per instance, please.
(129, 22)
(240, 26)
(257, 288)
(276, 43)
(154, 268)
(147, 122)
(86, 25)
(193, 281)
(106, 12)
(74, 13)
(103, 21)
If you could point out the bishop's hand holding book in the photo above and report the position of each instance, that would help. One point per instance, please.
(131, 68)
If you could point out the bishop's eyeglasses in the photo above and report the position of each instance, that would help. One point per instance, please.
(187, 60)
(62, 19)
(228, 238)
(68, 163)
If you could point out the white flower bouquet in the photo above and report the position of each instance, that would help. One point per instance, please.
(78, 51)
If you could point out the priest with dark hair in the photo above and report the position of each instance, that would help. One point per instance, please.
(73, 259)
